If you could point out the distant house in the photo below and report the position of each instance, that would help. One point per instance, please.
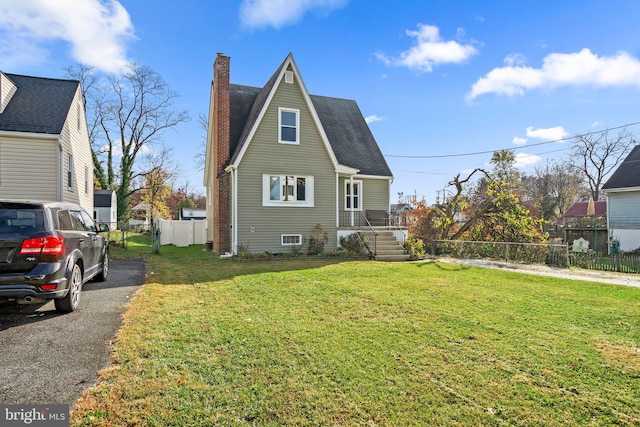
(105, 208)
(623, 196)
(45, 152)
(588, 223)
(279, 161)
(140, 217)
(192, 213)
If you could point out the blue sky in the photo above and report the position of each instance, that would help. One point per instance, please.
(436, 80)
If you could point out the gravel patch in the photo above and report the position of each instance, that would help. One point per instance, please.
(625, 279)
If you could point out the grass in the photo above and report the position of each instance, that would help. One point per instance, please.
(222, 342)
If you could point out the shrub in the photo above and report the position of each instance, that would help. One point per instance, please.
(317, 240)
(353, 244)
(414, 247)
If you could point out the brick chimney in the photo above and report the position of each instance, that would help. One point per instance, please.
(221, 156)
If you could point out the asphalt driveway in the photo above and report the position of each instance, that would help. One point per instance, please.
(49, 358)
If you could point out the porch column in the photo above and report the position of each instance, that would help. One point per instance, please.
(351, 197)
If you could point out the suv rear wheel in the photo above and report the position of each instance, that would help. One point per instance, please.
(102, 276)
(70, 302)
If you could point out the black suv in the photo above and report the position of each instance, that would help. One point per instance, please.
(48, 251)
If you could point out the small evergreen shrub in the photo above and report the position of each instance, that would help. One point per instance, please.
(352, 244)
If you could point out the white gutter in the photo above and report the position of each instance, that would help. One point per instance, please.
(337, 200)
(234, 209)
(30, 135)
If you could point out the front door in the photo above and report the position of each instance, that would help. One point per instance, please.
(353, 200)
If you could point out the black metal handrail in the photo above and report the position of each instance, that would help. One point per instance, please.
(369, 230)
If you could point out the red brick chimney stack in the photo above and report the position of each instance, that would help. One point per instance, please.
(221, 156)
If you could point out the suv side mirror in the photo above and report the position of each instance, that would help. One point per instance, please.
(102, 228)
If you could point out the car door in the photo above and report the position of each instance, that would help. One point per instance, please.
(97, 241)
(87, 241)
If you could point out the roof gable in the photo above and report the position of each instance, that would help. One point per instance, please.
(628, 173)
(262, 102)
(344, 131)
(39, 105)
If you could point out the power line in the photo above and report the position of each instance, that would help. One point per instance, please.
(511, 148)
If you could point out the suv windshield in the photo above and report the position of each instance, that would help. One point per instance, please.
(20, 220)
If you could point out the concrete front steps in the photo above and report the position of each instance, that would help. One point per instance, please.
(388, 248)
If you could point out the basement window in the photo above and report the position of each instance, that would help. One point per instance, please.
(291, 239)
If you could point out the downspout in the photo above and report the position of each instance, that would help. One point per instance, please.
(609, 231)
(234, 209)
(337, 200)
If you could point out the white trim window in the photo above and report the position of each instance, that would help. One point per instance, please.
(352, 199)
(291, 239)
(288, 126)
(287, 190)
(86, 179)
(70, 171)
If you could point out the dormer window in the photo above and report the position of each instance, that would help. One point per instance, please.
(289, 125)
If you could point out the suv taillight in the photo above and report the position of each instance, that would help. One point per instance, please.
(47, 245)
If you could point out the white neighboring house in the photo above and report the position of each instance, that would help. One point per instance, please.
(140, 217)
(105, 208)
(623, 202)
(45, 152)
(192, 213)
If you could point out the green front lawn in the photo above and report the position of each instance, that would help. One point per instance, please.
(325, 342)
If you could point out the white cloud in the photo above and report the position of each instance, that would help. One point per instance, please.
(97, 30)
(596, 124)
(515, 59)
(519, 141)
(548, 134)
(278, 13)
(523, 160)
(583, 68)
(430, 50)
(373, 118)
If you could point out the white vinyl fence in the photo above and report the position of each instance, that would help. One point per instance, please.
(182, 233)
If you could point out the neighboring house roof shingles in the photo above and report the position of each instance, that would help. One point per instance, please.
(628, 173)
(39, 105)
(580, 209)
(347, 131)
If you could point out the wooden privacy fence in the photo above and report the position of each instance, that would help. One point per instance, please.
(536, 253)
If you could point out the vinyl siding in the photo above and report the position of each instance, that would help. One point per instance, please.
(375, 193)
(29, 169)
(75, 141)
(623, 210)
(7, 89)
(265, 155)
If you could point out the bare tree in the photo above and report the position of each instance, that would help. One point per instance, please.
(552, 189)
(127, 115)
(201, 156)
(598, 154)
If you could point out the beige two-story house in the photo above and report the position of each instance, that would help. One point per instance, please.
(279, 161)
(45, 152)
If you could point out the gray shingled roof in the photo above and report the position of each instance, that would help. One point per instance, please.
(40, 105)
(343, 122)
(628, 173)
